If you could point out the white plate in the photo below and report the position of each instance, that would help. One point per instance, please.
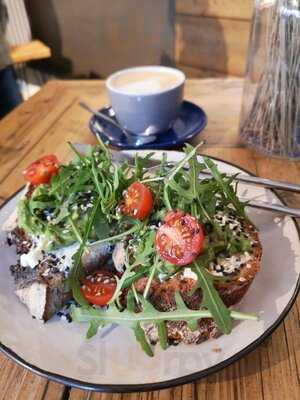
(113, 361)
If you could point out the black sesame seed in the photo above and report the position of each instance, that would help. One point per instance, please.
(69, 318)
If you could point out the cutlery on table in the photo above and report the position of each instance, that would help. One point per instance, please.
(253, 180)
(135, 139)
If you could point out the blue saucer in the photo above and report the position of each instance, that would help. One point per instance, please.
(192, 120)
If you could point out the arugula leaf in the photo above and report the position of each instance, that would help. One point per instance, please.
(153, 269)
(212, 300)
(77, 272)
(145, 249)
(113, 315)
(141, 338)
(101, 226)
(148, 315)
(136, 326)
(225, 187)
(141, 259)
(93, 328)
(127, 274)
(170, 179)
(141, 164)
(192, 323)
(134, 277)
(113, 238)
(162, 332)
(74, 278)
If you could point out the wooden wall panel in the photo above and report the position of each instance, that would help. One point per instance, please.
(97, 37)
(212, 44)
(235, 9)
(202, 73)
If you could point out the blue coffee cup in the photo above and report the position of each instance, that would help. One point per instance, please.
(146, 100)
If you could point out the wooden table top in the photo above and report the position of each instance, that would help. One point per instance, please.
(43, 125)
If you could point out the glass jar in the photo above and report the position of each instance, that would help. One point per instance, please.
(270, 116)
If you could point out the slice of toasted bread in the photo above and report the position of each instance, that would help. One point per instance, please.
(162, 295)
(41, 289)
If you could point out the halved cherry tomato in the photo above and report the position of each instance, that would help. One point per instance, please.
(179, 240)
(41, 170)
(99, 287)
(138, 201)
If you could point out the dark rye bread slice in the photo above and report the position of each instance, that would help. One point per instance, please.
(41, 289)
(162, 296)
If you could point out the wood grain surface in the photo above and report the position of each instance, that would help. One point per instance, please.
(211, 36)
(231, 9)
(43, 125)
(192, 72)
(214, 44)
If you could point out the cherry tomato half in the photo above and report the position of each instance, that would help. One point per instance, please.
(179, 240)
(99, 288)
(41, 170)
(138, 201)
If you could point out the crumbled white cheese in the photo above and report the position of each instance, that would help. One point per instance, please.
(229, 264)
(38, 252)
(188, 273)
(35, 254)
(224, 219)
(64, 255)
(32, 258)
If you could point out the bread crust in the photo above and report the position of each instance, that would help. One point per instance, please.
(234, 290)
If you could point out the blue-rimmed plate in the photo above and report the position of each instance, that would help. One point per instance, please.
(191, 121)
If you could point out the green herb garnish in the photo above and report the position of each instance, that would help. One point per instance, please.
(133, 318)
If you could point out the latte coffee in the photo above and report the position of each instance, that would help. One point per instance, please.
(145, 81)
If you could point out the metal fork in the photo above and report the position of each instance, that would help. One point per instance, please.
(253, 180)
